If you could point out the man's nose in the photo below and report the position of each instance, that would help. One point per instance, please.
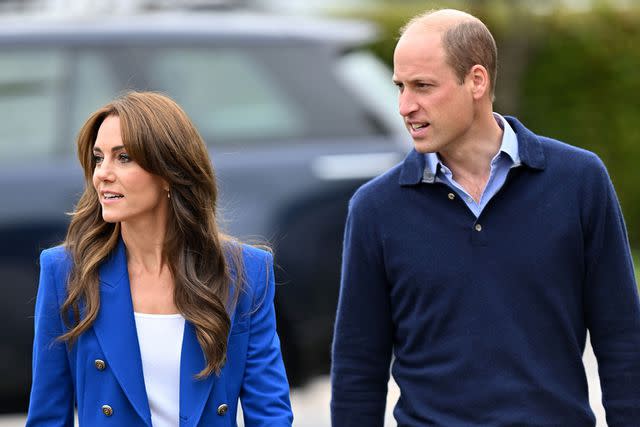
(407, 103)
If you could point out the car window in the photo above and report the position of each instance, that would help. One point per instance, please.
(95, 83)
(371, 81)
(331, 109)
(253, 93)
(236, 93)
(227, 93)
(32, 90)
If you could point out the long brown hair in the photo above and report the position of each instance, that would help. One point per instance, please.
(159, 136)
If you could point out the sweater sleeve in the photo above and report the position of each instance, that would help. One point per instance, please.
(612, 309)
(363, 332)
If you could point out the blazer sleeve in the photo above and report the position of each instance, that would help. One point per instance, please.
(265, 390)
(52, 398)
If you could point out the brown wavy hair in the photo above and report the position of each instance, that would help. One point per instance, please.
(159, 137)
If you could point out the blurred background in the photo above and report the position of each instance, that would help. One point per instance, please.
(295, 102)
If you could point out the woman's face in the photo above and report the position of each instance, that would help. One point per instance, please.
(127, 192)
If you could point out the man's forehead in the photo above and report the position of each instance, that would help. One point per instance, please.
(422, 42)
(442, 20)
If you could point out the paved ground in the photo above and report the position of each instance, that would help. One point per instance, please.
(311, 403)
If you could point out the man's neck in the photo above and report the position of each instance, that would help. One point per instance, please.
(470, 161)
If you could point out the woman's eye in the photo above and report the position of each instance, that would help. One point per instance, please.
(97, 159)
(124, 157)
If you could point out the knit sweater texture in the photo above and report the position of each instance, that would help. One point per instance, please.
(484, 320)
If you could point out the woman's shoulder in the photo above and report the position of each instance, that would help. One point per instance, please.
(253, 254)
(255, 267)
(55, 266)
(249, 256)
(56, 258)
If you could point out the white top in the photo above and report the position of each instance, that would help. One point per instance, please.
(160, 339)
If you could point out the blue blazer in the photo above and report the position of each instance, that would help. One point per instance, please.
(64, 375)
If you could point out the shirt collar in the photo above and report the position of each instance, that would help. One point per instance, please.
(528, 148)
(509, 143)
(509, 146)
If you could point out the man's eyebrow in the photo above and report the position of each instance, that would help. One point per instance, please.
(419, 79)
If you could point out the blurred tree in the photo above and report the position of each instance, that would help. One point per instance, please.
(581, 86)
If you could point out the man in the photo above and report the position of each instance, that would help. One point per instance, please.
(481, 261)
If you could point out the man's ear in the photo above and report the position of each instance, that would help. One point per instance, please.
(478, 78)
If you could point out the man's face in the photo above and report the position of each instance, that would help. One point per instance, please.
(437, 108)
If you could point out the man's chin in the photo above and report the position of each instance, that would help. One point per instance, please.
(423, 146)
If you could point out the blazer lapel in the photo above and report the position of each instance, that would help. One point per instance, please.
(116, 331)
(193, 392)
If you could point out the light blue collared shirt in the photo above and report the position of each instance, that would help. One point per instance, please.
(506, 158)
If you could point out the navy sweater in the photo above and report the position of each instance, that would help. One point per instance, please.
(487, 318)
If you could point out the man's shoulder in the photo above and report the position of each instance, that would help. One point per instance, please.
(572, 165)
(563, 151)
(375, 191)
(574, 168)
(558, 154)
(386, 182)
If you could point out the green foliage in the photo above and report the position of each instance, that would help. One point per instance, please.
(574, 76)
(582, 86)
(636, 263)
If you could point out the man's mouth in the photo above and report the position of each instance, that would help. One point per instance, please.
(418, 126)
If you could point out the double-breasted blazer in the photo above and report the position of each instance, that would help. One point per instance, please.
(101, 373)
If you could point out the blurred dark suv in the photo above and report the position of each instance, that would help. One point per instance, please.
(296, 117)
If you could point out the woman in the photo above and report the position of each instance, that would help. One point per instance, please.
(148, 315)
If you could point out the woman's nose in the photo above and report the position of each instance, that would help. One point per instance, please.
(103, 172)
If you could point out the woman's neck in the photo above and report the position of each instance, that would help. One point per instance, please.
(145, 246)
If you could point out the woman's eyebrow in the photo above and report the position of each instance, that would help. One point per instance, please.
(113, 149)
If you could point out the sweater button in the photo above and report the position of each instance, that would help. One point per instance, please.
(478, 227)
(451, 196)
